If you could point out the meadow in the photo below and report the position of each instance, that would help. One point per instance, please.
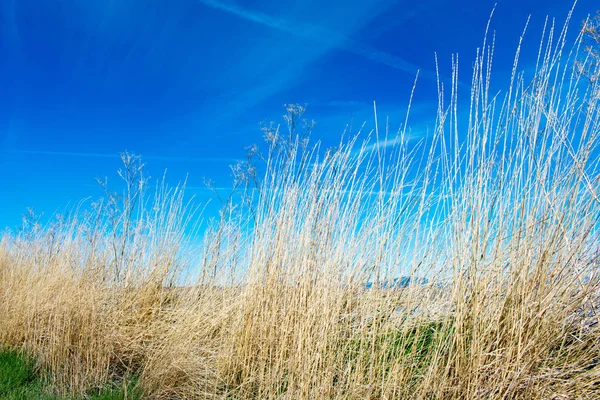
(493, 217)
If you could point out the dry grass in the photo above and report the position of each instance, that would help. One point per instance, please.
(500, 213)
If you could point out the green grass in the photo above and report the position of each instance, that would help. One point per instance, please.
(118, 392)
(20, 380)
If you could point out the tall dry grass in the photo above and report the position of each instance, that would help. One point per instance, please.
(499, 211)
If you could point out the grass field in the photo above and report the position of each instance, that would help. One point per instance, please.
(494, 218)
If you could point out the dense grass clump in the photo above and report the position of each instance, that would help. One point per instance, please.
(20, 379)
(492, 220)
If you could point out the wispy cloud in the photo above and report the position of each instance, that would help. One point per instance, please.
(384, 143)
(60, 153)
(117, 156)
(250, 15)
(320, 34)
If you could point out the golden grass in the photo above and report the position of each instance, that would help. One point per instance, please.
(500, 214)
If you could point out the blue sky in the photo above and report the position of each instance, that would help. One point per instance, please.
(186, 83)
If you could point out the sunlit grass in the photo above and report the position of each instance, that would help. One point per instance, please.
(492, 223)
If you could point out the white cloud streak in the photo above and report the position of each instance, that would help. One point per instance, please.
(315, 33)
(117, 156)
(384, 143)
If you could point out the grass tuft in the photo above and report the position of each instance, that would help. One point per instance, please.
(21, 380)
